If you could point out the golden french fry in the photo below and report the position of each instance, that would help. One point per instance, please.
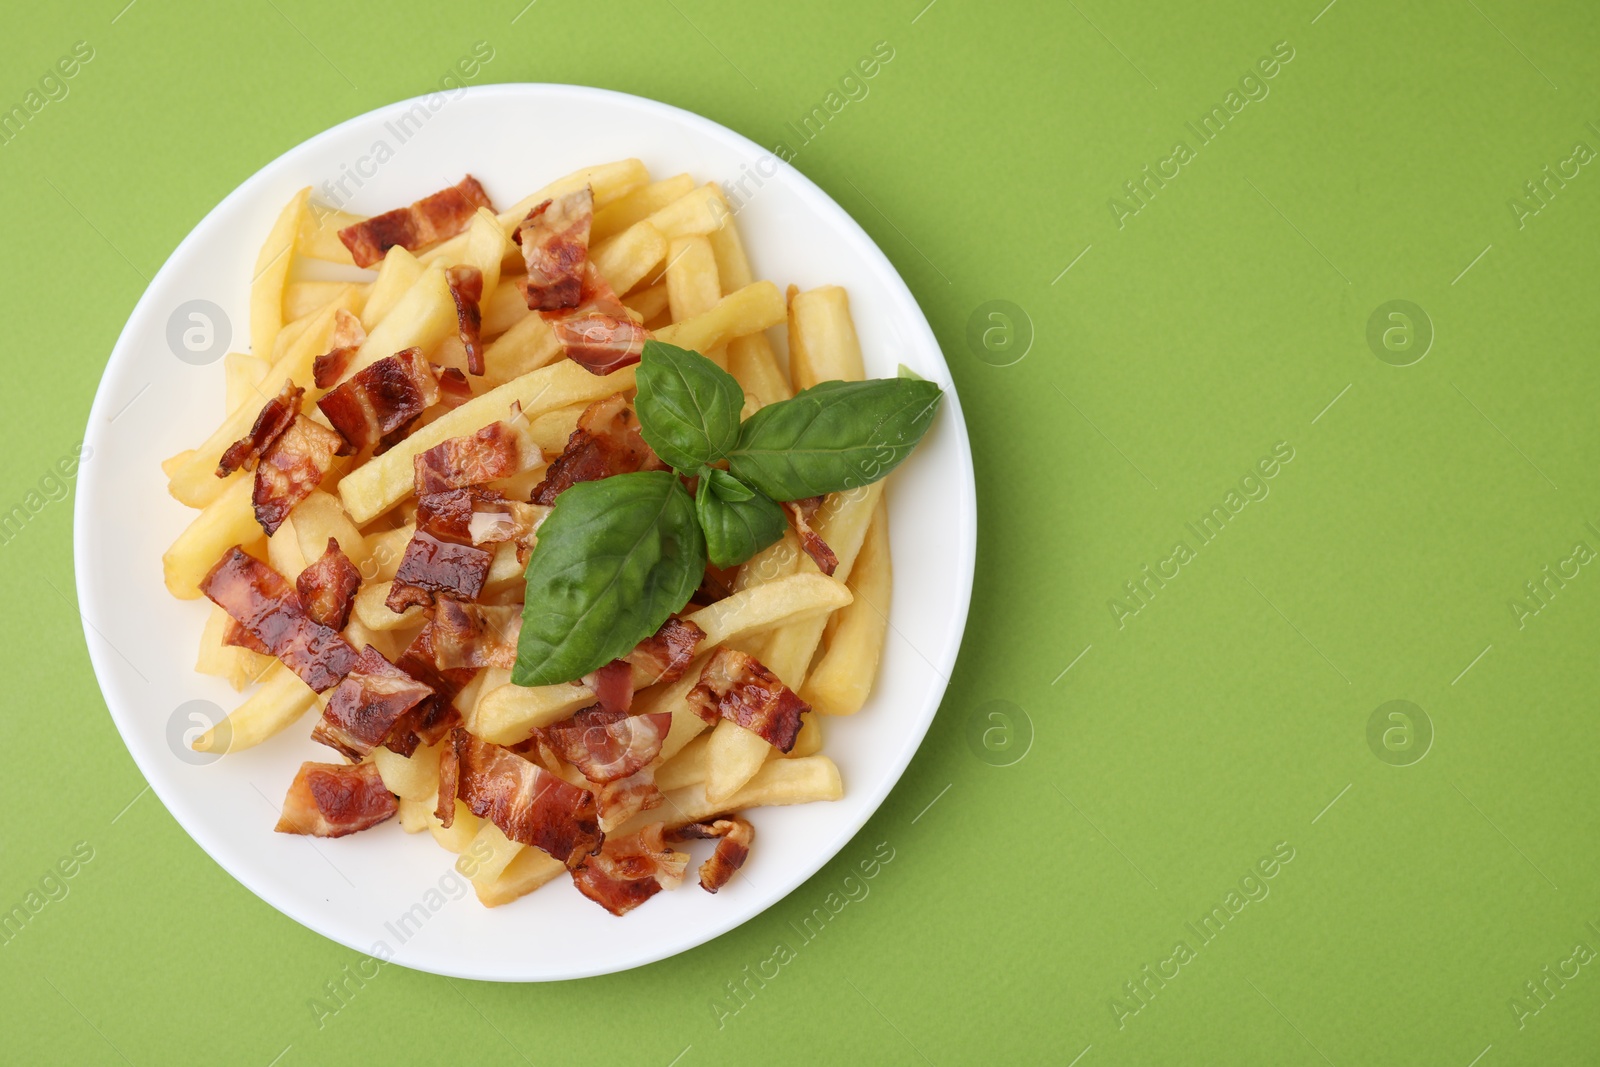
(414, 777)
(271, 272)
(369, 607)
(753, 308)
(822, 339)
(809, 741)
(487, 246)
(733, 757)
(463, 829)
(842, 679)
(624, 260)
(692, 286)
(778, 560)
(283, 551)
(503, 307)
(488, 855)
(702, 211)
(172, 464)
(421, 318)
(279, 701)
(321, 516)
(397, 273)
(227, 521)
(530, 869)
(196, 483)
(528, 345)
(239, 667)
(382, 482)
(638, 206)
(733, 267)
(307, 298)
(647, 303)
(778, 782)
(242, 376)
(384, 552)
(686, 768)
(753, 362)
(319, 233)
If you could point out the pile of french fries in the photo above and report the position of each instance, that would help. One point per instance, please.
(671, 250)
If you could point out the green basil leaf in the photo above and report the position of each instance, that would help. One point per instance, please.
(738, 521)
(613, 560)
(833, 436)
(688, 406)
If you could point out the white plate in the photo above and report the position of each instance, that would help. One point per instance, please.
(152, 404)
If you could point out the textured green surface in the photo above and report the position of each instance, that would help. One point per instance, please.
(1228, 715)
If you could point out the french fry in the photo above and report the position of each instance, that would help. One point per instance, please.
(733, 756)
(413, 814)
(822, 338)
(778, 782)
(279, 701)
(241, 376)
(778, 560)
(321, 516)
(196, 483)
(692, 287)
(484, 681)
(609, 181)
(271, 272)
(461, 832)
(397, 273)
(647, 303)
(733, 267)
(842, 679)
(227, 521)
(624, 260)
(753, 362)
(488, 855)
(755, 307)
(382, 482)
(384, 553)
(369, 607)
(503, 307)
(239, 667)
(307, 298)
(319, 233)
(530, 869)
(528, 345)
(423, 317)
(688, 767)
(283, 551)
(638, 206)
(702, 211)
(487, 246)
(808, 742)
(414, 777)
(171, 464)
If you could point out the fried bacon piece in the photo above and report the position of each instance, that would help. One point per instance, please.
(430, 721)
(291, 469)
(335, 799)
(466, 289)
(381, 398)
(606, 442)
(454, 389)
(665, 655)
(496, 451)
(428, 221)
(607, 745)
(263, 602)
(431, 566)
(347, 339)
(555, 246)
(477, 516)
(735, 686)
(239, 637)
(612, 685)
(329, 586)
(621, 800)
(366, 705)
(800, 515)
(630, 870)
(733, 848)
(599, 335)
(270, 424)
(475, 635)
(527, 803)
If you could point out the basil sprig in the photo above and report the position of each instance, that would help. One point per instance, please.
(616, 557)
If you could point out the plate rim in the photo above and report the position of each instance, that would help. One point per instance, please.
(966, 494)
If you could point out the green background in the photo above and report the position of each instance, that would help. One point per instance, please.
(1049, 847)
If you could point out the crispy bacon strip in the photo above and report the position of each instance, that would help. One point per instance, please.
(329, 586)
(612, 685)
(428, 221)
(267, 606)
(737, 687)
(291, 469)
(555, 246)
(607, 745)
(606, 442)
(800, 514)
(454, 389)
(665, 655)
(598, 334)
(733, 848)
(496, 451)
(431, 566)
(241, 638)
(334, 799)
(366, 705)
(475, 635)
(477, 516)
(430, 721)
(630, 870)
(270, 424)
(348, 336)
(466, 289)
(381, 398)
(527, 803)
(624, 798)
